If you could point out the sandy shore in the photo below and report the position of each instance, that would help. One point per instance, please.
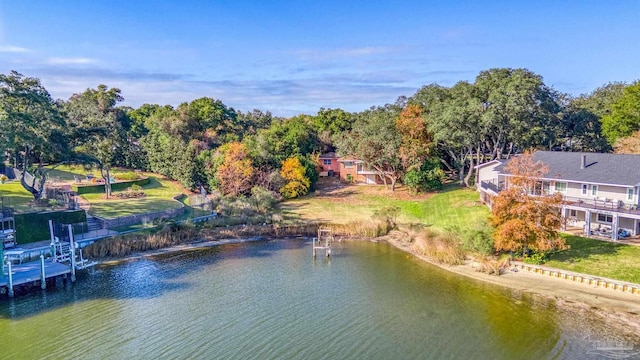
(615, 307)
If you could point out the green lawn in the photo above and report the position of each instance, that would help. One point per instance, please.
(16, 196)
(451, 207)
(159, 193)
(599, 258)
(68, 172)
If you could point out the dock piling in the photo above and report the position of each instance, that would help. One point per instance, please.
(72, 255)
(43, 278)
(10, 279)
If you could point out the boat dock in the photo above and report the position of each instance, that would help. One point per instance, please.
(57, 260)
(35, 272)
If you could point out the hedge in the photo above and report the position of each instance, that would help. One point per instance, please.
(33, 227)
(99, 188)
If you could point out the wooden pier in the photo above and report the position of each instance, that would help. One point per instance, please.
(323, 242)
(60, 259)
(31, 273)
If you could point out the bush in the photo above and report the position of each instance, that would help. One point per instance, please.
(536, 258)
(129, 175)
(99, 188)
(428, 177)
(388, 214)
(262, 199)
(130, 193)
(477, 240)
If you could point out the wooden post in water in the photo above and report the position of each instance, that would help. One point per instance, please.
(72, 255)
(43, 278)
(53, 239)
(10, 279)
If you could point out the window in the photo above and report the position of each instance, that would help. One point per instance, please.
(584, 189)
(594, 190)
(545, 187)
(630, 194)
(561, 187)
(573, 213)
(605, 218)
(326, 161)
(348, 164)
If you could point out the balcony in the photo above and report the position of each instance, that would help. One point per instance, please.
(602, 204)
(491, 185)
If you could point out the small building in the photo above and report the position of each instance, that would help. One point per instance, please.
(328, 162)
(356, 171)
(599, 191)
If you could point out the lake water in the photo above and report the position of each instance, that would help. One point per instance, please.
(271, 300)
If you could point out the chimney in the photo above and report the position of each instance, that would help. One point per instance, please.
(583, 161)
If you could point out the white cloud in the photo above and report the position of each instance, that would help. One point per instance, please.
(13, 49)
(70, 61)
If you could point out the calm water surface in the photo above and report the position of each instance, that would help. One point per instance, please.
(270, 300)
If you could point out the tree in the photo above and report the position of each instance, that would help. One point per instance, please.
(236, 171)
(375, 140)
(294, 173)
(625, 115)
(518, 110)
(524, 216)
(629, 144)
(99, 128)
(415, 139)
(31, 129)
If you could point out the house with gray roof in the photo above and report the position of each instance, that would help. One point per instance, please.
(600, 191)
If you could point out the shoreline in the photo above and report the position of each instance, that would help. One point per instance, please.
(616, 308)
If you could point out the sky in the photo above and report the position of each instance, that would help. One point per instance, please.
(293, 57)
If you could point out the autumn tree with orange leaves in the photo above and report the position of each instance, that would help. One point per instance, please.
(236, 171)
(415, 143)
(523, 216)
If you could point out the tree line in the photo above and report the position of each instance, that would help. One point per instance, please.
(205, 144)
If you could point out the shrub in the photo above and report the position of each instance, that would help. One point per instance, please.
(129, 175)
(262, 199)
(388, 214)
(428, 177)
(130, 193)
(536, 258)
(477, 239)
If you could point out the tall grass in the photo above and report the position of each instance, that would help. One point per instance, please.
(440, 246)
(120, 246)
(361, 228)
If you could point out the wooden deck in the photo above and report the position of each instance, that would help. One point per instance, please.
(30, 272)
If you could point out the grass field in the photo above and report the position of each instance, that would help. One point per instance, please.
(599, 258)
(451, 207)
(159, 196)
(15, 196)
(67, 173)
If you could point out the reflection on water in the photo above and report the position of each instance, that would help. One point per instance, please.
(271, 300)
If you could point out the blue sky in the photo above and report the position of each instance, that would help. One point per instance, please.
(292, 57)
